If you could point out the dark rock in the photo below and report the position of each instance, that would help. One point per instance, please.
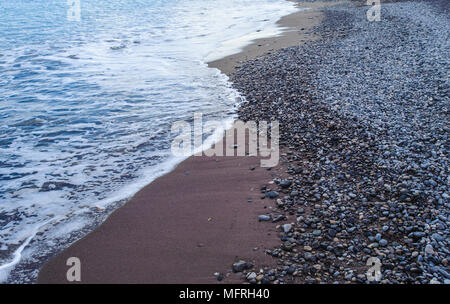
(272, 194)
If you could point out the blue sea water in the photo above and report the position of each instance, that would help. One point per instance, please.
(86, 106)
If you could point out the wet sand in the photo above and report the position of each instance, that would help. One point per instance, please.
(194, 221)
(298, 29)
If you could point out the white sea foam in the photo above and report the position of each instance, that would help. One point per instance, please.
(6, 268)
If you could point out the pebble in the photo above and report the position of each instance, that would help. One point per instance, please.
(241, 266)
(251, 276)
(286, 228)
(317, 232)
(272, 194)
(429, 249)
(264, 218)
(285, 184)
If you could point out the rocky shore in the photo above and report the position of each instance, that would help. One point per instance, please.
(364, 116)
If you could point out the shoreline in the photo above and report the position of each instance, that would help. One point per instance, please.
(363, 179)
(182, 228)
(297, 30)
(167, 187)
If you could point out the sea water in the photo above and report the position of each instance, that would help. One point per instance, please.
(86, 107)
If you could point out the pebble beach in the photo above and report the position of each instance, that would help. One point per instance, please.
(364, 115)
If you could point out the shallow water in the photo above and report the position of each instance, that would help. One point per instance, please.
(86, 107)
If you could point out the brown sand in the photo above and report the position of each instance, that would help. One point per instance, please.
(194, 221)
(182, 228)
